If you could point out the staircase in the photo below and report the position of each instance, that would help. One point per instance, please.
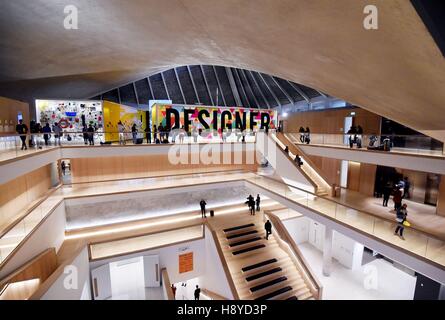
(260, 269)
(323, 187)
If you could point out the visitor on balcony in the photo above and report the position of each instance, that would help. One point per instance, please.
(22, 130)
(307, 135)
(121, 130)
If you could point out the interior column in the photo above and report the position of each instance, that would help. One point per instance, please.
(327, 251)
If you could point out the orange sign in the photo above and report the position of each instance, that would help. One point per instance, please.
(186, 262)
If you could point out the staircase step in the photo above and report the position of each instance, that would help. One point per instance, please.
(274, 293)
(268, 284)
(239, 243)
(263, 274)
(241, 234)
(292, 298)
(238, 227)
(259, 246)
(260, 264)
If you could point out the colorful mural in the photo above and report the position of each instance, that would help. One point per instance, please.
(72, 116)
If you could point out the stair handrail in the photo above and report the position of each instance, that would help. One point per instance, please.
(295, 254)
(309, 179)
(307, 159)
(166, 284)
(223, 262)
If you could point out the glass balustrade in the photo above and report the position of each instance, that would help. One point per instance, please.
(397, 143)
(416, 241)
(11, 145)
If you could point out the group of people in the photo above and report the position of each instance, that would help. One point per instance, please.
(297, 158)
(305, 135)
(400, 191)
(196, 293)
(355, 136)
(253, 204)
(36, 128)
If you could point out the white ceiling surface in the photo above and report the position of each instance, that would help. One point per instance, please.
(396, 71)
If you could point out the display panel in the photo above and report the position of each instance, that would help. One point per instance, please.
(71, 115)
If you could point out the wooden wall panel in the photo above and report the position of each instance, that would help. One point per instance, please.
(131, 167)
(40, 267)
(354, 176)
(367, 178)
(332, 121)
(9, 110)
(330, 167)
(418, 183)
(18, 194)
(441, 197)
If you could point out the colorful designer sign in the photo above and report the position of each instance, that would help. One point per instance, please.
(216, 118)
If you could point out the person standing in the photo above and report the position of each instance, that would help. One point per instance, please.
(181, 135)
(252, 206)
(173, 287)
(57, 133)
(85, 135)
(22, 130)
(402, 213)
(307, 135)
(90, 131)
(203, 204)
(268, 227)
(46, 133)
(301, 131)
(155, 133)
(258, 201)
(134, 133)
(195, 134)
(63, 167)
(386, 194)
(359, 137)
(121, 130)
(406, 187)
(286, 149)
(397, 198)
(197, 292)
(148, 134)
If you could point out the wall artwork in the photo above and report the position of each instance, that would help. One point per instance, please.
(186, 262)
(72, 116)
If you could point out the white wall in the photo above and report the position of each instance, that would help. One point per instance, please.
(50, 234)
(214, 278)
(82, 291)
(19, 167)
(346, 251)
(208, 269)
(298, 228)
(169, 258)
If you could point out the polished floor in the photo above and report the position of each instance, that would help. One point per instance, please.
(388, 282)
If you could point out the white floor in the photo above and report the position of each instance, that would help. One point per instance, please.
(377, 280)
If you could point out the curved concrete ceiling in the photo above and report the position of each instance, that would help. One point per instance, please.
(396, 71)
